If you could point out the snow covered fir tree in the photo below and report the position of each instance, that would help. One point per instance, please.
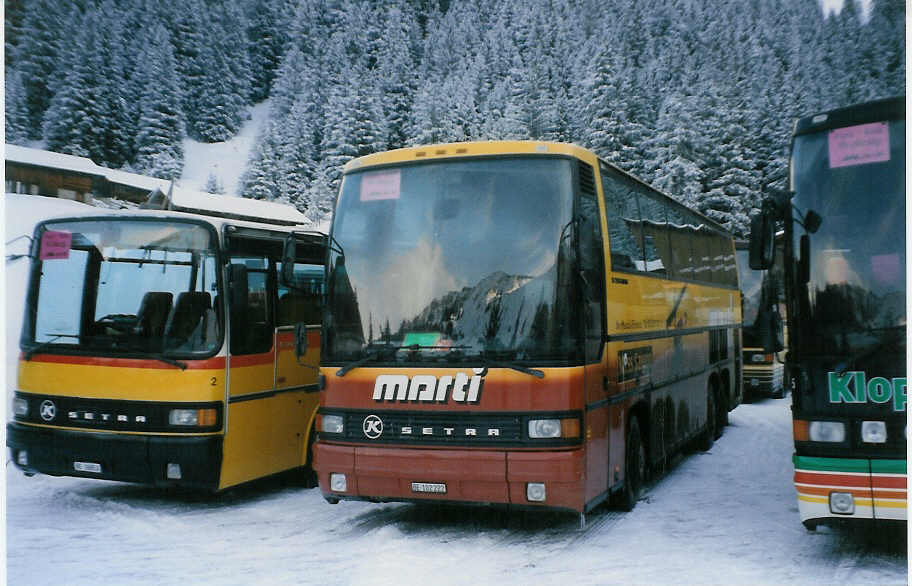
(695, 97)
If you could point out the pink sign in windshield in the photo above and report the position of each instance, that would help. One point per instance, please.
(858, 145)
(380, 185)
(55, 245)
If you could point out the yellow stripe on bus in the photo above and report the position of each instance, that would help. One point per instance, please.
(826, 501)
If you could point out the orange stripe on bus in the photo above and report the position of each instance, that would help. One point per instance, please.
(888, 481)
(216, 362)
(890, 494)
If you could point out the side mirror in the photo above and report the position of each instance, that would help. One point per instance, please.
(300, 338)
(812, 221)
(289, 254)
(761, 243)
(771, 333)
(237, 288)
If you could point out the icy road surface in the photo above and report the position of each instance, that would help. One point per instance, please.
(728, 516)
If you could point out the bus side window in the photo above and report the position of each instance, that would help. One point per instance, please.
(702, 247)
(252, 329)
(680, 233)
(729, 266)
(623, 222)
(655, 234)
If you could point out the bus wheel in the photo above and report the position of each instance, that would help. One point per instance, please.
(307, 476)
(709, 432)
(634, 466)
(722, 411)
(809, 525)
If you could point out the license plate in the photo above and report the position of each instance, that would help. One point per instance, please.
(755, 382)
(87, 467)
(432, 487)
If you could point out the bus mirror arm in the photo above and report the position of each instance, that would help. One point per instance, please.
(804, 260)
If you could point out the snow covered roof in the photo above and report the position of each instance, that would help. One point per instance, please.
(40, 158)
(171, 196)
(227, 206)
(52, 160)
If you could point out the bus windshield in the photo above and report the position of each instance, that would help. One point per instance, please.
(855, 301)
(124, 287)
(458, 258)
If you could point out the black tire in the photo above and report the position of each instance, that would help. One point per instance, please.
(721, 412)
(634, 467)
(307, 476)
(709, 431)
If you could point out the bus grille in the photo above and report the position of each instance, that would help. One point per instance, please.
(441, 429)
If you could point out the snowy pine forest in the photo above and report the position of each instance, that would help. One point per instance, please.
(696, 97)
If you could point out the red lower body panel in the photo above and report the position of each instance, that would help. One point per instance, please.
(478, 476)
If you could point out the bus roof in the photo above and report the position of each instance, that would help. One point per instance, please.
(470, 149)
(876, 111)
(218, 223)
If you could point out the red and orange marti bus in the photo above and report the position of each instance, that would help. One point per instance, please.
(518, 323)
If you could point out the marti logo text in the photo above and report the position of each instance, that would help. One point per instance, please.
(852, 387)
(426, 388)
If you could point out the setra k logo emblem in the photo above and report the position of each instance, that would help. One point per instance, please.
(372, 427)
(48, 410)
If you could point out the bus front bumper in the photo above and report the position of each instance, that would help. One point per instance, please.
(452, 475)
(842, 488)
(111, 456)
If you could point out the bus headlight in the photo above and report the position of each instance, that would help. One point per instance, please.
(332, 424)
(544, 428)
(20, 407)
(554, 428)
(338, 482)
(874, 432)
(192, 417)
(826, 431)
(842, 503)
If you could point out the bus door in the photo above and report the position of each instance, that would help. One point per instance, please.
(297, 365)
(267, 411)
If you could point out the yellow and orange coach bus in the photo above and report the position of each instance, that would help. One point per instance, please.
(518, 323)
(160, 347)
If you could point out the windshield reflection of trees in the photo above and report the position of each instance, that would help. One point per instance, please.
(498, 228)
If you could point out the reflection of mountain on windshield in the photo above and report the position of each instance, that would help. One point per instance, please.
(501, 312)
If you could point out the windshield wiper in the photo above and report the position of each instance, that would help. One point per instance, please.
(390, 349)
(512, 365)
(36, 349)
(353, 365)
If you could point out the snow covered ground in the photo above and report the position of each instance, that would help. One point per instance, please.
(728, 516)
